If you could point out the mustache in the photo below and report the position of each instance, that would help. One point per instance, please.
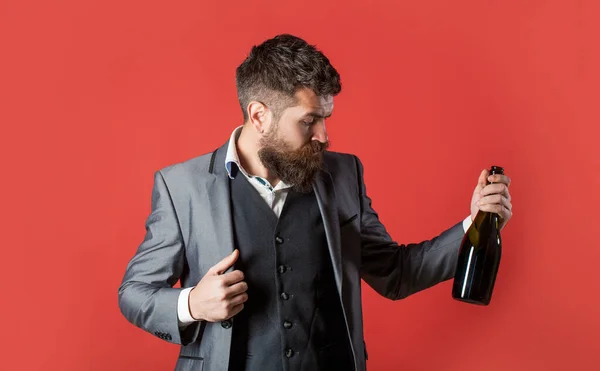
(309, 155)
(314, 148)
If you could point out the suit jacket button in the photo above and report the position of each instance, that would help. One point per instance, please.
(279, 240)
(169, 337)
(287, 325)
(281, 269)
(285, 296)
(289, 353)
(226, 324)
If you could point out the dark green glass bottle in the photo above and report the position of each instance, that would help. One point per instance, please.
(479, 257)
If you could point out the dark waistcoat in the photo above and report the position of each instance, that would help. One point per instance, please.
(293, 319)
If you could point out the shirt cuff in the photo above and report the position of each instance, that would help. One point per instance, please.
(184, 317)
(467, 223)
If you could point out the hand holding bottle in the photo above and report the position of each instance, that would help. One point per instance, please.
(493, 197)
(481, 247)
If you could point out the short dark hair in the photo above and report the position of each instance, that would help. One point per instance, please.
(277, 68)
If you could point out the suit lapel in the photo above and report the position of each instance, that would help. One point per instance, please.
(219, 202)
(325, 194)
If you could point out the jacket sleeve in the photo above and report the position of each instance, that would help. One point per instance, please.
(397, 271)
(146, 295)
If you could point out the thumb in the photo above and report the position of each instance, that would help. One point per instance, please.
(226, 263)
(482, 181)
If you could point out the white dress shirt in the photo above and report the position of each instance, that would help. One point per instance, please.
(273, 196)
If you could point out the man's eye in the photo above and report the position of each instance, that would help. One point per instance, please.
(307, 123)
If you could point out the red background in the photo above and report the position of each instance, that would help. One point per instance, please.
(97, 95)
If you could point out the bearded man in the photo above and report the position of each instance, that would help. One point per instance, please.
(270, 234)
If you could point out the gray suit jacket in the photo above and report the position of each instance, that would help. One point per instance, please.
(190, 229)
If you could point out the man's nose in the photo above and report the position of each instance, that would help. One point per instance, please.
(320, 133)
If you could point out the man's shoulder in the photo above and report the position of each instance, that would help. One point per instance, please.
(337, 162)
(338, 156)
(198, 165)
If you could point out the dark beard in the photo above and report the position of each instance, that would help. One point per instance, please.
(297, 168)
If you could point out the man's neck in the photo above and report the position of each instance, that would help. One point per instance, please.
(247, 145)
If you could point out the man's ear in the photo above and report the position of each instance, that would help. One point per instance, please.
(259, 116)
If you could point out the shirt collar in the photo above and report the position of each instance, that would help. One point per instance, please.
(232, 155)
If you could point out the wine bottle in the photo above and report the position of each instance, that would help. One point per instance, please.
(479, 257)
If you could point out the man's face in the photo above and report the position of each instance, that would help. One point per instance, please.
(293, 147)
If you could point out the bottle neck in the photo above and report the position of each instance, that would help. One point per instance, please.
(495, 220)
